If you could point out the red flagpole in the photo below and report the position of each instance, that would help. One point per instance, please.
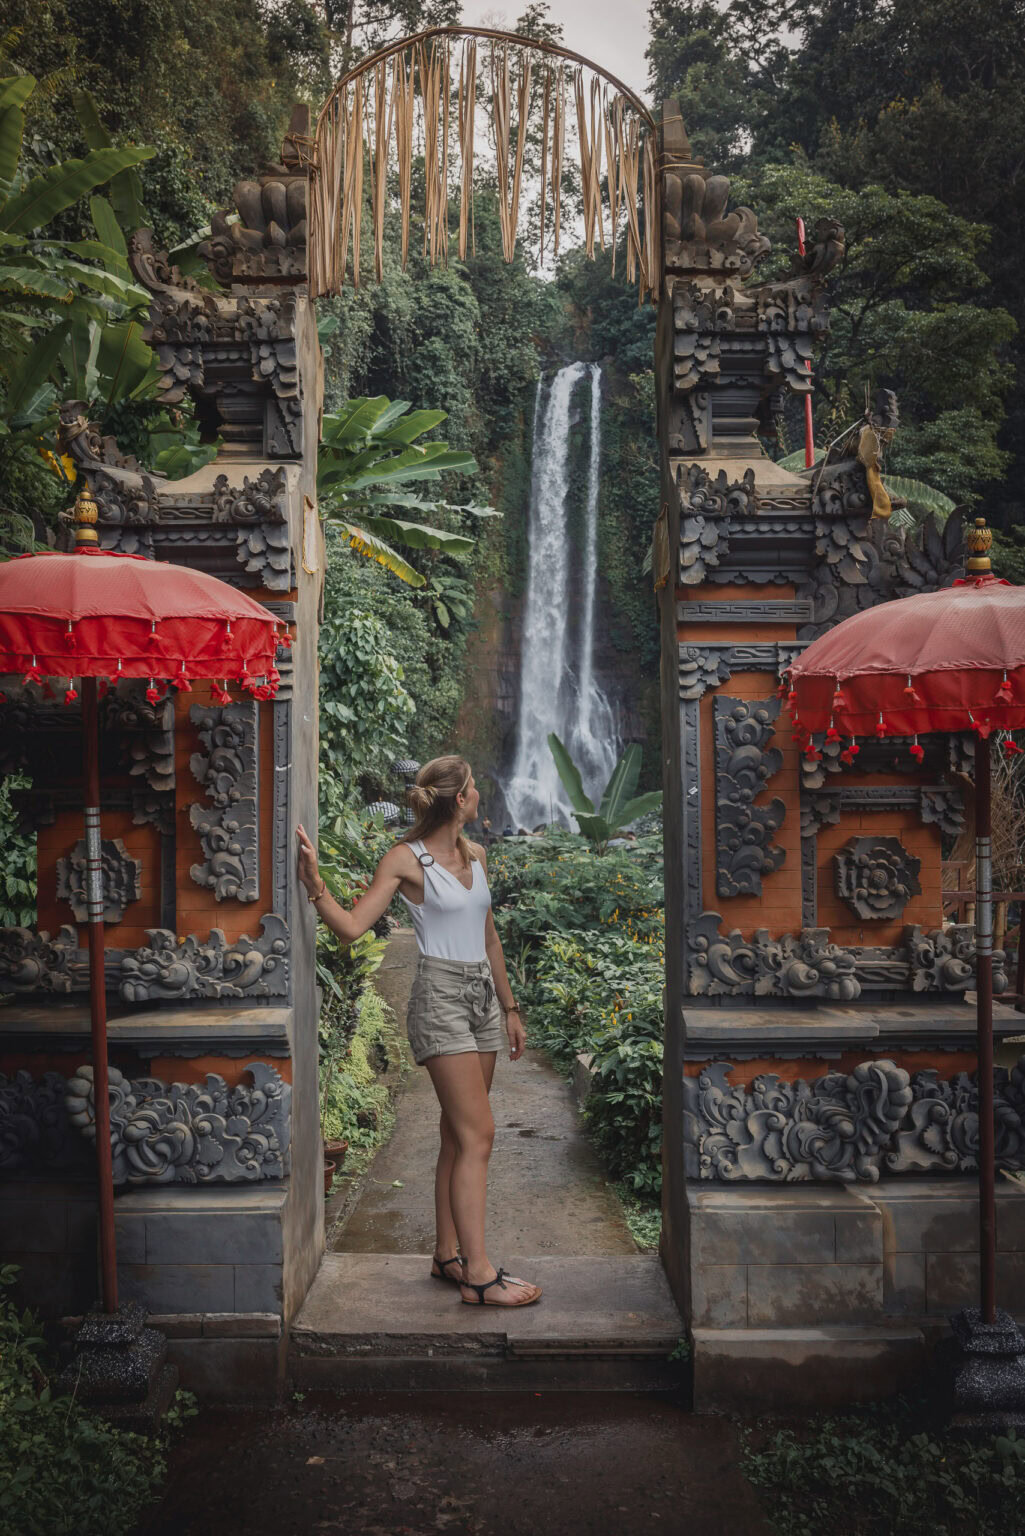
(98, 992)
(809, 428)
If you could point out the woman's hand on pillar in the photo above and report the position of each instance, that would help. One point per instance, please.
(309, 874)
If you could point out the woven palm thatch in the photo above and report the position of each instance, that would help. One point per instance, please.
(420, 96)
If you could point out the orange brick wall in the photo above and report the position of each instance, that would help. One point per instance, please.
(198, 909)
(141, 842)
(778, 908)
(788, 1069)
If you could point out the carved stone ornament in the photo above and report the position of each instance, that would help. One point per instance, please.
(122, 880)
(876, 876)
(229, 829)
(33, 962)
(125, 494)
(808, 965)
(701, 668)
(268, 239)
(700, 235)
(169, 969)
(262, 500)
(842, 1127)
(834, 1128)
(147, 732)
(744, 762)
(195, 1133)
(700, 314)
(34, 1129)
(706, 506)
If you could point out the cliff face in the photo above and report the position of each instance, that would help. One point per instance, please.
(485, 729)
(624, 647)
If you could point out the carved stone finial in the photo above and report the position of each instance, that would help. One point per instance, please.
(269, 238)
(700, 235)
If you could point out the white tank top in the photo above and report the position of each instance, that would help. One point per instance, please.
(449, 923)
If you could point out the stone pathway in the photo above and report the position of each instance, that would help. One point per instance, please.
(466, 1464)
(546, 1188)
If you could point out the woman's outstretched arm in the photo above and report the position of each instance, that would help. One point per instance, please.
(349, 925)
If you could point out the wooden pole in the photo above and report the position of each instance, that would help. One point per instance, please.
(98, 991)
(809, 422)
(984, 994)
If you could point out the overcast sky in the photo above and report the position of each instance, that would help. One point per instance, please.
(614, 33)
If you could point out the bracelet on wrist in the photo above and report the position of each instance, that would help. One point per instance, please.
(322, 892)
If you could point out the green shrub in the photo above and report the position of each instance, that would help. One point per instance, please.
(885, 1472)
(63, 1470)
(354, 1100)
(584, 938)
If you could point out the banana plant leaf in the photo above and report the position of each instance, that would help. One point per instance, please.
(917, 494)
(367, 543)
(414, 426)
(27, 377)
(355, 419)
(60, 186)
(569, 773)
(110, 234)
(416, 535)
(125, 187)
(621, 785)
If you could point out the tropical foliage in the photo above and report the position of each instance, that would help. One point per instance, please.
(618, 809)
(584, 939)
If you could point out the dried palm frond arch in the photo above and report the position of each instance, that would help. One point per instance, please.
(406, 94)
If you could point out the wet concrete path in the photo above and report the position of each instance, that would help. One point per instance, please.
(464, 1464)
(546, 1188)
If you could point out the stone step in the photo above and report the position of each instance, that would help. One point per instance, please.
(378, 1322)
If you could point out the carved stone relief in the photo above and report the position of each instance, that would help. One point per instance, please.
(35, 1132)
(169, 969)
(744, 762)
(809, 965)
(196, 1133)
(876, 876)
(122, 880)
(228, 829)
(842, 1127)
(33, 962)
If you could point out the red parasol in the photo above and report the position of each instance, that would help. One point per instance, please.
(949, 661)
(95, 617)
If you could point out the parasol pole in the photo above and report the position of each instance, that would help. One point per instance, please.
(85, 539)
(809, 426)
(984, 995)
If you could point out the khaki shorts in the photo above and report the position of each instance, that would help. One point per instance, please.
(453, 1007)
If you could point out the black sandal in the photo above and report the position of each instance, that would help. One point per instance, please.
(443, 1264)
(499, 1279)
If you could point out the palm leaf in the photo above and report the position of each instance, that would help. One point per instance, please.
(569, 773)
(34, 280)
(355, 419)
(125, 187)
(415, 425)
(110, 233)
(35, 368)
(918, 494)
(15, 90)
(414, 464)
(60, 186)
(796, 460)
(125, 361)
(639, 807)
(594, 827)
(367, 543)
(12, 129)
(417, 535)
(622, 784)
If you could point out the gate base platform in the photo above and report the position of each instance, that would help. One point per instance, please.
(377, 1322)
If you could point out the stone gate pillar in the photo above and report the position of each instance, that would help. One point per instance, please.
(820, 1214)
(210, 943)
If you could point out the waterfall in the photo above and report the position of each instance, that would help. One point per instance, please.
(555, 695)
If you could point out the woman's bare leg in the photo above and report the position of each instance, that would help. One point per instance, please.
(462, 1090)
(447, 1237)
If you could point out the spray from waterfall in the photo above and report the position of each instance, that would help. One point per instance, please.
(555, 695)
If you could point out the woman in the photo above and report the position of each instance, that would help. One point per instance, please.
(455, 1017)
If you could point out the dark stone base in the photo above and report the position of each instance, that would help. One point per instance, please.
(119, 1367)
(985, 1370)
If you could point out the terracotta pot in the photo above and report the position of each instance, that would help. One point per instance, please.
(336, 1150)
(329, 1173)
